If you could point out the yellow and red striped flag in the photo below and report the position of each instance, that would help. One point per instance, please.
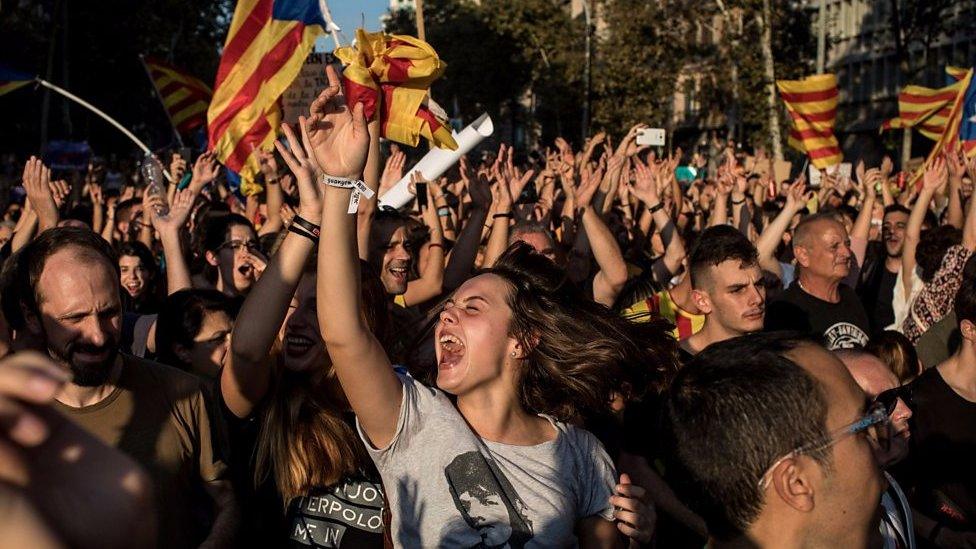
(266, 46)
(927, 109)
(812, 104)
(960, 128)
(10, 80)
(184, 97)
(402, 68)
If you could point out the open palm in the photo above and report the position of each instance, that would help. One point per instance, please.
(338, 137)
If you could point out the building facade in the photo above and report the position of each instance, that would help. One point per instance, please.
(862, 52)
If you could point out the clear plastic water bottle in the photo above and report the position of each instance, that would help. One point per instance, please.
(152, 173)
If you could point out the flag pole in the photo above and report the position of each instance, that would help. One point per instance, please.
(330, 25)
(107, 118)
(179, 139)
(421, 27)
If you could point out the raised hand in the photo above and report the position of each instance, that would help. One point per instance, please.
(393, 170)
(936, 175)
(204, 170)
(971, 169)
(628, 146)
(588, 188)
(517, 185)
(480, 191)
(179, 211)
(644, 185)
(955, 163)
(37, 183)
(267, 163)
(871, 183)
(177, 167)
(797, 195)
(339, 138)
(95, 192)
(300, 160)
(60, 189)
(887, 167)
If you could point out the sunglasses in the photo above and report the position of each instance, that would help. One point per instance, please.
(889, 399)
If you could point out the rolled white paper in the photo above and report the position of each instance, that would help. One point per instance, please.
(438, 160)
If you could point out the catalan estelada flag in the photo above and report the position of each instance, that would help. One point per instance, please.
(184, 97)
(266, 45)
(927, 109)
(402, 68)
(10, 80)
(960, 125)
(967, 118)
(812, 104)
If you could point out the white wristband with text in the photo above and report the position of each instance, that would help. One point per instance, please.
(357, 185)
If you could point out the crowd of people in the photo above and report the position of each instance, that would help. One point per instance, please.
(584, 347)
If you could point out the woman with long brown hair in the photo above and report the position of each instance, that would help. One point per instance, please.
(292, 435)
(490, 457)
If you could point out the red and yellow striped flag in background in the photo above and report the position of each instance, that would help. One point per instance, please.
(403, 68)
(184, 97)
(812, 104)
(959, 127)
(266, 46)
(927, 109)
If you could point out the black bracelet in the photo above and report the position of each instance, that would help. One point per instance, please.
(509, 215)
(307, 225)
(293, 228)
(656, 208)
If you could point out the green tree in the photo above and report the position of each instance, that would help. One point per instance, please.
(639, 56)
(519, 60)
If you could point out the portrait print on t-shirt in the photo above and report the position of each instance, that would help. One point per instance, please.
(488, 502)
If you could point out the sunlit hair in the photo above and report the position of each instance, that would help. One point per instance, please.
(579, 352)
(898, 353)
(304, 440)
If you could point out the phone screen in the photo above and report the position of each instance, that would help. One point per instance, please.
(421, 196)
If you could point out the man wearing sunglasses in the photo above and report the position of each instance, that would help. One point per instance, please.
(880, 386)
(772, 443)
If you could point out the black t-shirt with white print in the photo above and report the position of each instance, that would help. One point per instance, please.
(842, 325)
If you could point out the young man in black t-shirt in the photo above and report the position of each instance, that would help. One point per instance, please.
(878, 278)
(727, 286)
(944, 439)
(818, 302)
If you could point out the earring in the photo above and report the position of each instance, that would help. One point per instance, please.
(513, 354)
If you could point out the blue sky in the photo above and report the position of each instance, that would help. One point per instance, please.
(349, 14)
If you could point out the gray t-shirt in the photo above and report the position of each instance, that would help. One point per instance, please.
(448, 488)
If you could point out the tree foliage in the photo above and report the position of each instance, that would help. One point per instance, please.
(515, 59)
(95, 54)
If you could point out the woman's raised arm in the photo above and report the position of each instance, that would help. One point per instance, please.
(245, 379)
(340, 139)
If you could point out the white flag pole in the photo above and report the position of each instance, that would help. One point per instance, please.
(107, 118)
(438, 161)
